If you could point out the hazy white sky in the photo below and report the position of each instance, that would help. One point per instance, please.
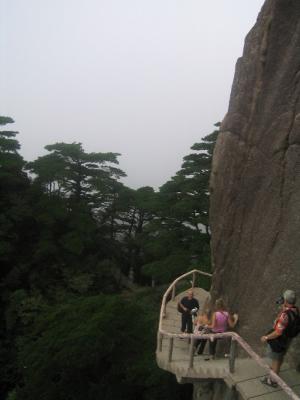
(145, 78)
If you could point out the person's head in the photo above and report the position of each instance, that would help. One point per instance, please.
(289, 297)
(190, 294)
(220, 305)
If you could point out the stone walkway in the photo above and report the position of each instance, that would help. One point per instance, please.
(247, 375)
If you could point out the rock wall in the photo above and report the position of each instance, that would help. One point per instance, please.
(255, 181)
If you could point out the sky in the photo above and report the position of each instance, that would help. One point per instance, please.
(144, 78)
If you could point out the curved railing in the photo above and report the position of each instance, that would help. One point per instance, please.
(172, 288)
(235, 338)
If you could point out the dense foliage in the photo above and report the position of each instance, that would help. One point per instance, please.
(83, 263)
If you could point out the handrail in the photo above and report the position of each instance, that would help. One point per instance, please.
(173, 287)
(235, 338)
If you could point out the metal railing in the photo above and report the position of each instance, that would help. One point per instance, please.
(235, 339)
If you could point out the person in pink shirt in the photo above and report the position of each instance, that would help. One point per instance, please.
(221, 320)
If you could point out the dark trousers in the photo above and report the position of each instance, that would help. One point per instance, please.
(186, 322)
(201, 343)
(212, 346)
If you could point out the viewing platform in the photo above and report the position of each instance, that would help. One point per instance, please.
(175, 353)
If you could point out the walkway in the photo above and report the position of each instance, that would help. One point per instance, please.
(175, 354)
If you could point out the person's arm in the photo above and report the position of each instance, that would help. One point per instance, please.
(232, 320)
(280, 326)
(182, 307)
(269, 336)
(213, 322)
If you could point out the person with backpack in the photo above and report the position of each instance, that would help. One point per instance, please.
(285, 328)
(188, 306)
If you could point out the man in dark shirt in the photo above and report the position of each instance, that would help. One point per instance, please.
(185, 306)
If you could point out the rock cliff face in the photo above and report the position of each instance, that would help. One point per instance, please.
(255, 182)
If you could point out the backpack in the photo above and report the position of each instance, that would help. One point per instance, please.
(293, 328)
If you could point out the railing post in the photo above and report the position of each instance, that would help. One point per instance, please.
(232, 354)
(170, 350)
(173, 292)
(194, 280)
(191, 353)
(159, 342)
